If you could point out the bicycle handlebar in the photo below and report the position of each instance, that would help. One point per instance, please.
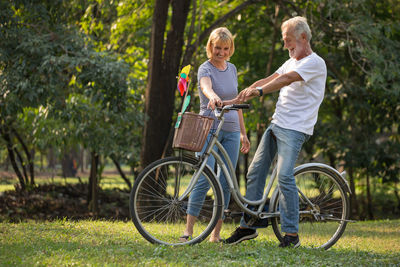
(219, 112)
(236, 106)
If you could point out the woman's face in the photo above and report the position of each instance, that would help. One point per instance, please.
(220, 51)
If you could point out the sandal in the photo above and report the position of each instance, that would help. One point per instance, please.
(185, 238)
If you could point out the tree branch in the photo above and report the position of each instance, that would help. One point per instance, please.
(6, 136)
(193, 47)
(28, 155)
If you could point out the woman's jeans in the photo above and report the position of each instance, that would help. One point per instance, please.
(287, 144)
(231, 142)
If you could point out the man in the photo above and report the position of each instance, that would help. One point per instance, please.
(301, 81)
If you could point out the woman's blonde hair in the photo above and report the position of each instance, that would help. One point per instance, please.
(220, 35)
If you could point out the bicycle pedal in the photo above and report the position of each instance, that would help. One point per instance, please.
(233, 214)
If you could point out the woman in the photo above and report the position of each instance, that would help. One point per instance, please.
(217, 79)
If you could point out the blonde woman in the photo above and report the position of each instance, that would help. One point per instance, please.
(217, 79)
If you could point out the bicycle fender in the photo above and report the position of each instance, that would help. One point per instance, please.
(326, 167)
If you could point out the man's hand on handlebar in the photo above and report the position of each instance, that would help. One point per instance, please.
(247, 94)
(243, 96)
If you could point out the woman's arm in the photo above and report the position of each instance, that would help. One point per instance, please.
(243, 135)
(206, 88)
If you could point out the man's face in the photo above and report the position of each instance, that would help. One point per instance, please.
(296, 47)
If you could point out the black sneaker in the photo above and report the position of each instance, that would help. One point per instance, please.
(240, 235)
(290, 241)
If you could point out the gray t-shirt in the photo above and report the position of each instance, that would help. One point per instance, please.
(224, 84)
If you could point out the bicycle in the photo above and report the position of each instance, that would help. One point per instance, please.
(159, 198)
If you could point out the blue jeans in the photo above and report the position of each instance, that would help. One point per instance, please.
(231, 142)
(287, 143)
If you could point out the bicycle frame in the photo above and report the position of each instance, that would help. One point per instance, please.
(229, 174)
(231, 178)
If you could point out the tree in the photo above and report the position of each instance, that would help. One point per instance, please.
(78, 95)
(165, 60)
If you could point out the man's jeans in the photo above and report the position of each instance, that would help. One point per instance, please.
(287, 143)
(231, 142)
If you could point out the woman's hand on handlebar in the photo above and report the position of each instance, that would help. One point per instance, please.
(214, 102)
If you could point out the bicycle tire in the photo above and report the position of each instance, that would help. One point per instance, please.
(328, 192)
(154, 203)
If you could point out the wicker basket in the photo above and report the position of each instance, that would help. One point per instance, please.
(192, 131)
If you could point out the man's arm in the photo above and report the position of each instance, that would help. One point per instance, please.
(264, 81)
(275, 83)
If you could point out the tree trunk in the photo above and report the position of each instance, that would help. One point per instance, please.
(163, 68)
(7, 163)
(82, 159)
(121, 172)
(93, 185)
(68, 163)
(6, 136)
(51, 158)
(22, 164)
(29, 156)
(273, 42)
(353, 197)
(369, 198)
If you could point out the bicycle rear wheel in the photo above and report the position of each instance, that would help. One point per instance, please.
(323, 204)
(157, 209)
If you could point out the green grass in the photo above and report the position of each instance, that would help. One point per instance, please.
(104, 243)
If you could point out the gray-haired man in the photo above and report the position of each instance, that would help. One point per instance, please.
(301, 81)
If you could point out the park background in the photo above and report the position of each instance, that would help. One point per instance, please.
(88, 95)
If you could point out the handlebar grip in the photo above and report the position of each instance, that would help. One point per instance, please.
(219, 112)
(236, 106)
(241, 106)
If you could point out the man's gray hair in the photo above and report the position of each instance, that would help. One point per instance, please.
(299, 25)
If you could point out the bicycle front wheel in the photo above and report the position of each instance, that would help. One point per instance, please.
(323, 205)
(158, 207)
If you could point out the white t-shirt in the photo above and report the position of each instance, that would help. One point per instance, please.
(298, 103)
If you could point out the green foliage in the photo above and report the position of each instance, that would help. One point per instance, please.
(359, 117)
(58, 90)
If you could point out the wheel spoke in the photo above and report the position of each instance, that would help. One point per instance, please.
(158, 209)
(323, 222)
